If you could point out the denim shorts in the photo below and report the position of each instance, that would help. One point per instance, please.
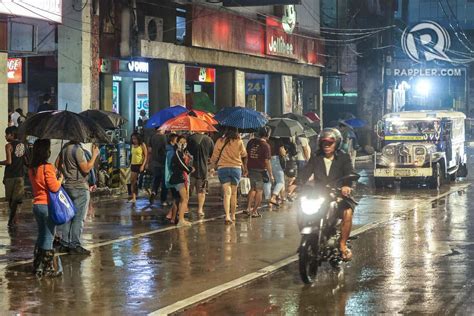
(231, 175)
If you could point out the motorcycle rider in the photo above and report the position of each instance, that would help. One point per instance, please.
(329, 164)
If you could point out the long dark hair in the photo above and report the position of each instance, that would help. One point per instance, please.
(41, 153)
(232, 133)
(138, 137)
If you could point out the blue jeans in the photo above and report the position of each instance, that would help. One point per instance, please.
(279, 176)
(46, 227)
(72, 231)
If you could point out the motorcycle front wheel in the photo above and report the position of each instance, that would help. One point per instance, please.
(308, 258)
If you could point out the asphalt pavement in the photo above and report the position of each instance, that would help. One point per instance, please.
(414, 254)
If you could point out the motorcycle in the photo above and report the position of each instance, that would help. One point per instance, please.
(319, 224)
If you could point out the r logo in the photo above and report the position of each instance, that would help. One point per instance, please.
(426, 41)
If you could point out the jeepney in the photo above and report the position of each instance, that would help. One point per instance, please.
(424, 147)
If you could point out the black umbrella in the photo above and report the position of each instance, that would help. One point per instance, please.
(64, 125)
(106, 119)
(303, 120)
(285, 127)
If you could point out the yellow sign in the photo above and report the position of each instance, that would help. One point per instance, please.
(405, 137)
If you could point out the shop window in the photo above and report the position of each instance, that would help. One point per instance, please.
(180, 25)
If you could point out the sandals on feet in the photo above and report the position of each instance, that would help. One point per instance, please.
(256, 214)
(228, 222)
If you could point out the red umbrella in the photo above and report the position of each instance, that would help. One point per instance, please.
(313, 116)
(187, 123)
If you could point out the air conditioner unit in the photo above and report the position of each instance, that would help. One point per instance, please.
(153, 30)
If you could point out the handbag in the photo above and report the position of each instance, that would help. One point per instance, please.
(60, 207)
(265, 176)
(244, 186)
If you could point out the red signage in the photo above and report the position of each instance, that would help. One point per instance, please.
(225, 31)
(278, 42)
(200, 74)
(15, 70)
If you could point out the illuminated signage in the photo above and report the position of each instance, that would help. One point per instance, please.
(279, 43)
(138, 66)
(49, 10)
(15, 70)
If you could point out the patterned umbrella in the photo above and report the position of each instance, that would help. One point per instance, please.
(285, 127)
(187, 123)
(64, 125)
(241, 118)
(106, 119)
(205, 116)
(160, 117)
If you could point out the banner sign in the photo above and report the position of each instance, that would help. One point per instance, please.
(15, 70)
(177, 77)
(287, 93)
(49, 10)
(239, 88)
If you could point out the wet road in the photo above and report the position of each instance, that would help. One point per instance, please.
(406, 260)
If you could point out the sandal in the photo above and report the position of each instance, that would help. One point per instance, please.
(346, 255)
(228, 222)
(256, 214)
(274, 203)
(201, 215)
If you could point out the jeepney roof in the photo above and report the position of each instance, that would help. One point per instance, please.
(424, 115)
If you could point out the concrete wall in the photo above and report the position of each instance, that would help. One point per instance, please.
(74, 57)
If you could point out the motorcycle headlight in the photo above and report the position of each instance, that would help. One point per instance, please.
(311, 206)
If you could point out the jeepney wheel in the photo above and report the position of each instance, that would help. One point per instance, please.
(462, 171)
(436, 179)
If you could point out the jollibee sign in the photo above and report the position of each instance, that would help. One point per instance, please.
(15, 70)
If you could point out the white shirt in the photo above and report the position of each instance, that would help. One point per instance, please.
(14, 117)
(328, 163)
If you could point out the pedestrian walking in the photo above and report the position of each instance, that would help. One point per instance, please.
(157, 153)
(181, 166)
(170, 151)
(18, 117)
(278, 164)
(46, 105)
(303, 152)
(15, 153)
(349, 141)
(72, 162)
(43, 179)
(138, 163)
(200, 146)
(259, 169)
(230, 159)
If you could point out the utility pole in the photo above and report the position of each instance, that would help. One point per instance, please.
(370, 65)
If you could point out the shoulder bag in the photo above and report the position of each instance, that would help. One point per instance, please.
(60, 207)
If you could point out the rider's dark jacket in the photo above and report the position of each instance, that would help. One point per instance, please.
(341, 166)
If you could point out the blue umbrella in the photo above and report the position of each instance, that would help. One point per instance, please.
(160, 117)
(355, 122)
(241, 118)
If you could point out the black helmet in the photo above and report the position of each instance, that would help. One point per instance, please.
(330, 135)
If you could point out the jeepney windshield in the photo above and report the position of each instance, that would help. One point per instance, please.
(412, 127)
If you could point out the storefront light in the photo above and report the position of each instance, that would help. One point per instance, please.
(423, 87)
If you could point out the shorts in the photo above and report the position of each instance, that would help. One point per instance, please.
(345, 204)
(14, 189)
(179, 186)
(135, 168)
(200, 185)
(256, 179)
(231, 175)
(175, 195)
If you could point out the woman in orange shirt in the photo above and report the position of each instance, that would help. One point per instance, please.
(43, 179)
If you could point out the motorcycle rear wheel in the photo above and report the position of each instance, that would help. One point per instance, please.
(308, 259)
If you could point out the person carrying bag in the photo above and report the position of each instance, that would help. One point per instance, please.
(44, 183)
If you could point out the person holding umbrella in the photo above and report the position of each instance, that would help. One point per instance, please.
(230, 159)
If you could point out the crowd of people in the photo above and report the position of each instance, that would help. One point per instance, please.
(175, 165)
(181, 165)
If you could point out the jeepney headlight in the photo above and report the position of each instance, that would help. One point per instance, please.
(388, 151)
(420, 151)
